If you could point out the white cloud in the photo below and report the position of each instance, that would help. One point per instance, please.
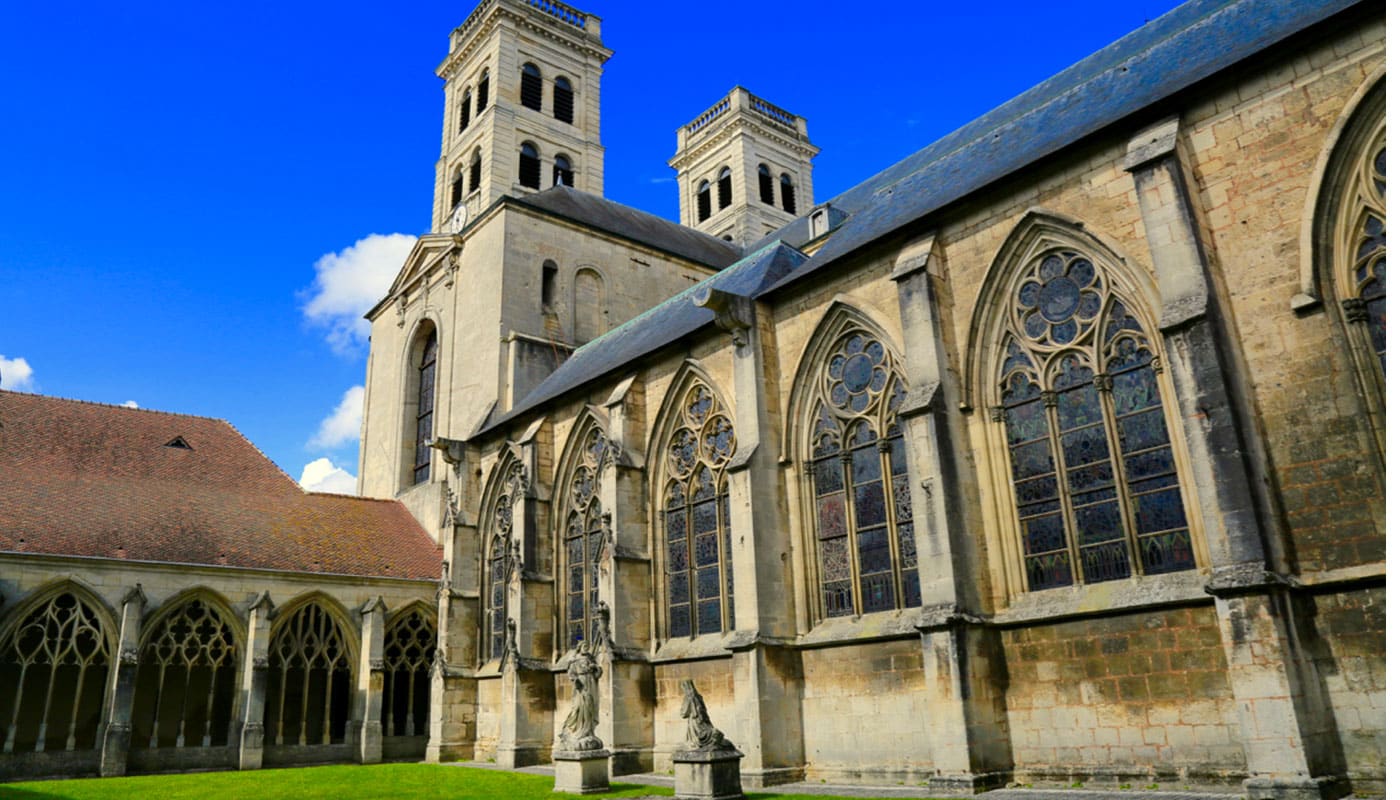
(343, 424)
(131, 404)
(323, 476)
(16, 374)
(350, 282)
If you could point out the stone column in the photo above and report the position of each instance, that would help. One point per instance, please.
(254, 684)
(962, 655)
(1288, 740)
(369, 693)
(624, 589)
(121, 687)
(527, 685)
(767, 671)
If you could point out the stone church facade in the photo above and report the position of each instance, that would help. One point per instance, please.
(1054, 452)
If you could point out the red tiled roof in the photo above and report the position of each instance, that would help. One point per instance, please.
(86, 479)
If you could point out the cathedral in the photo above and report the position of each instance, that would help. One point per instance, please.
(1054, 452)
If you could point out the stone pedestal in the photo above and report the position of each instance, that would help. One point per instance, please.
(581, 771)
(707, 774)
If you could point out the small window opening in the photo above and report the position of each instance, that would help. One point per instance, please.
(549, 284)
(563, 100)
(702, 201)
(474, 173)
(726, 188)
(464, 111)
(457, 189)
(529, 166)
(179, 443)
(563, 171)
(531, 87)
(789, 194)
(482, 88)
(765, 185)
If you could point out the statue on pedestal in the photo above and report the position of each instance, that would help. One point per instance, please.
(577, 732)
(700, 733)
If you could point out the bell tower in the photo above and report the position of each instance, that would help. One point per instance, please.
(521, 110)
(744, 168)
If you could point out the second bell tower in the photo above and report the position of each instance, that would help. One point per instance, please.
(521, 109)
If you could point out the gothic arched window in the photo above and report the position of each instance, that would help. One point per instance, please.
(1356, 213)
(309, 677)
(185, 687)
(1094, 477)
(563, 100)
(53, 670)
(498, 545)
(695, 514)
(531, 87)
(583, 539)
(409, 643)
(765, 185)
(424, 401)
(864, 521)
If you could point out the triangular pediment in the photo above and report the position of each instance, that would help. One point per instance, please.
(427, 254)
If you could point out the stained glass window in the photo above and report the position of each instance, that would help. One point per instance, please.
(866, 559)
(1092, 470)
(695, 518)
(583, 541)
(501, 524)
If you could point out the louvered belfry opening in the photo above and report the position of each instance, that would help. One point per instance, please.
(726, 188)
(765, 185)
(308, 687)
(563, 171)
(186, 683)
(789, 194)
(529, 166)
(702, 201)
(53, 668)
(564, 100)
(483, 87)
(464, 111)
(531, 87)
(474, 172)
(457, 188)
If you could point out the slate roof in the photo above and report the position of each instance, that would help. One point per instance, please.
(86, 479)
(1183, 47)
(630, 223)
(672, 320)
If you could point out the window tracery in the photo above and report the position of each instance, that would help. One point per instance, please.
(53, 667)
(860, 484)
(309, 677)
(699, 577)
(409, 644)
(185, 687)
(1095, 482)
(496, 577)
(1360, 258)
(584, 526)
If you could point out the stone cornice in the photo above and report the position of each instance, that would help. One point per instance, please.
(539, 24)
(740, 122)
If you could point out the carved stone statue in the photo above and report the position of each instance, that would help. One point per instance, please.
(700, 733)
(577, 733)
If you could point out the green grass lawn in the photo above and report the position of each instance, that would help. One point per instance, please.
(346, 782)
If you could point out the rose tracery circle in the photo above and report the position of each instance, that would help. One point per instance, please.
(856, 373)
(1059, 298)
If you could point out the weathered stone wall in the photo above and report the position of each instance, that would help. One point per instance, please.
(1348, 634)
(1127, 697)
(864, 713)
(488, 717)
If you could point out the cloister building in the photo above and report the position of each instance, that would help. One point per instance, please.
(1053, 452)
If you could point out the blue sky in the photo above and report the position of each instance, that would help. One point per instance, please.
(171, 175)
